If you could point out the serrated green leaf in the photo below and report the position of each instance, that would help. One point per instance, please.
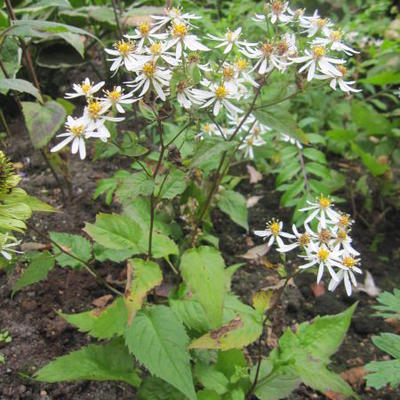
(134, 185)
(211, 379)
(101, 254)
(101, 323)
(203, 270)
(158, 340)
(370, 161)
(174, 185)
(114, 231)
(40, 265)
(369, 120)
(234, 204)
(74, 244)
(389, 304)
(384, 78)
(153, 388)
(43, 121)
(314, 155)
(146, 276)
(383, 372)
(191, 313)
(389, 343)
(110, 362)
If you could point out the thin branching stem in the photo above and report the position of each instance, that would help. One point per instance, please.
(86, 266)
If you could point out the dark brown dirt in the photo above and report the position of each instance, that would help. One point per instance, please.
(39, 335)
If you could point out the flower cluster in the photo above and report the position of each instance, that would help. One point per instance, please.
(328, 246)
(163, 58)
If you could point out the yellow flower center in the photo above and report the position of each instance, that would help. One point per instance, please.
(77, 131)
(206, 128)
(274, 228)
(229, 36)
(342, 235)
(228, 73)
(86, 87)
(94, 109)
(323, 254)
(277, 7)
(299, 12)
(318, 52)
(322, 22)
(282, 47)
(250, 142)
(324, 236)
(181, 86)
(179, 30)
(220, 92)
(267, 49)
(344, 220)
(155, 48)
(144, 29)
(324, 202)
(349, 262)
(149, 69)
(114, 95)
(335, 36)
(343, 70)
(304, 239)
(124, 47)
(241, 64)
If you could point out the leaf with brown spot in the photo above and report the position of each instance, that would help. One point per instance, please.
(102, 301)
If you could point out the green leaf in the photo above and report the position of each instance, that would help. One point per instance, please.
(38, 205)
(389, 304)
(153, 388)
(19, 85)
(208, 154)
(234, 204)
(101, 323)
(384, 78)
(277, 119)
(146, 276)
(369, 161)
(110, 362)
(384, 372)
(41, 5)
(203, 270)
(114, 231)
(101, 254)
(174, 184)
(389, 343)
(314, 155)
(229, 361)
(207, 395)
(74, 244)
(275, 383)
(191, 313)
(342, 135)
(158, 340)
(43, 121)
(369, 120)
(11, 55)
(40, 265)
(134, 185)
(210, 378)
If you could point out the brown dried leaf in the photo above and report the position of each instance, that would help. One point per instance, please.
(255, 176)
(256, 252)
(252, 201)
(33, 246)
(102, 301)
(368, 286)
(334, 396)
(354, 376)
(318, 289)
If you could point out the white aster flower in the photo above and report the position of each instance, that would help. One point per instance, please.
(115, 98)
(185, 95)
(346, 274)
(322, 257)
(7, 244)
(266, 56)
(156, 51)
(343, 239)
(279, 12)
(343, 85)
(249, 142)
(322, 208)
(77, 132)
(183, 40)
(173, 15)
(230, 39)
(124, 53)
(86, 88)
(219, 96)
(208, 130)
(274, 233)
(335, 42)
(316, 59)
(315, 24)
(151, 75)
(145, 33)
(302, 240)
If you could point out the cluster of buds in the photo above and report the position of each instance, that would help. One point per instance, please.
(328, 246)
(163, 58)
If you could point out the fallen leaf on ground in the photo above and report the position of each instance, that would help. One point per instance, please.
(318, 289)
(368, 286)
(394, 323)
(334, 395)
(252, 201)
(255, 176)
(272, 339)
(102, 301)
(354, 376)
(33, 246)
(256, 252)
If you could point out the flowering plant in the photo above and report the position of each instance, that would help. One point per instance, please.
(203, 103)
